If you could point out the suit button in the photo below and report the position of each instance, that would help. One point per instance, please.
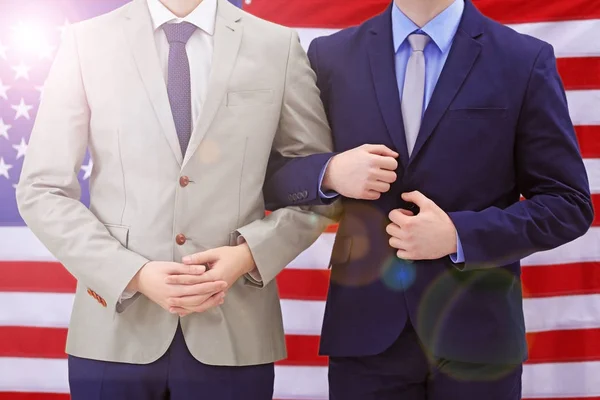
(295, 197)
(180, 239)
(291, 197)
(304, 194)
(184, 181)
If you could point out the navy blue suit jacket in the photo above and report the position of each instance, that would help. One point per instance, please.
(497, 126)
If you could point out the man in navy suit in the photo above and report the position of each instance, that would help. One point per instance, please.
(425, 299)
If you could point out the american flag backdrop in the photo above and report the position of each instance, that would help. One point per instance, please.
(562, 287)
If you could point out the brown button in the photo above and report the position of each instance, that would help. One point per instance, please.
(180, 239)
(184, 181)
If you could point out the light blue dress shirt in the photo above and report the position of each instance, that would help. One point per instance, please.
(441, 30)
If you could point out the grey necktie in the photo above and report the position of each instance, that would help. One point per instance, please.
(414, 89)
(178, 80)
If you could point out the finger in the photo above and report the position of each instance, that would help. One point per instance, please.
(371, 195)
(182, 269)
(387, 163)
(399, 217)
(213, 301)
(381, 150)
(394, 231)
(405, 255)
(378, 186)
(406, 212)
(385, 175)
(397, 243)
(205, 257)
(187, 279)
(208, 288)
(418, 198)
(182, 312)
(189, 302)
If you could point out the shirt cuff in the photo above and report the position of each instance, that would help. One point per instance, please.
(459, 256)
(126, 296)
(253, 275)
(330, 193)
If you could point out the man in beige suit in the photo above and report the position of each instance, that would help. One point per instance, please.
(180, 122)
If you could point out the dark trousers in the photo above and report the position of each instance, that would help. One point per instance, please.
(404, 372)
(175, 376)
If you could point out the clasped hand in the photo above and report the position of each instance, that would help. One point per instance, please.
(198, 284)
(427, 236)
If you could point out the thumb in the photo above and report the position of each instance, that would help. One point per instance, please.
(205, 257)
(381, 150)
(417, 198)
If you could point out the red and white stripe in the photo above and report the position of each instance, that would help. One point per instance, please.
(562, 286)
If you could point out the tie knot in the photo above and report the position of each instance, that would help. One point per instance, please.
(179, 32)
(418, 41)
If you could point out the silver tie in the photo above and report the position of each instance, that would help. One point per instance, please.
(414, 89)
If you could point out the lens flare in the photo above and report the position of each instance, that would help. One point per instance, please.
(30, 39)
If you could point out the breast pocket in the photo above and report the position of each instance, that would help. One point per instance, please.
(249, 98)
(477, 113)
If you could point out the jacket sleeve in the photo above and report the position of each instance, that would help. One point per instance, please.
(294, 179)
(550, 175)
(303, 130)
(48, 191)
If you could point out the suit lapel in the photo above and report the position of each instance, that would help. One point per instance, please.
(140, 36)
(463, 54)
(383, 72)
(227, 40)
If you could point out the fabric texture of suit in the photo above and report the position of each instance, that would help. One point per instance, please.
(497, 126)
(106, 91)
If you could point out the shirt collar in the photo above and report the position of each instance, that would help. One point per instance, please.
(202, 16)
(440, 29)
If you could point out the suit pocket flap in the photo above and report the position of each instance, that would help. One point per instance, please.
(477, 113)
(341, 250)
(119, 232)
(249, 97)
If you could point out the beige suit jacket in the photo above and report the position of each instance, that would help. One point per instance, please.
(106, 92)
